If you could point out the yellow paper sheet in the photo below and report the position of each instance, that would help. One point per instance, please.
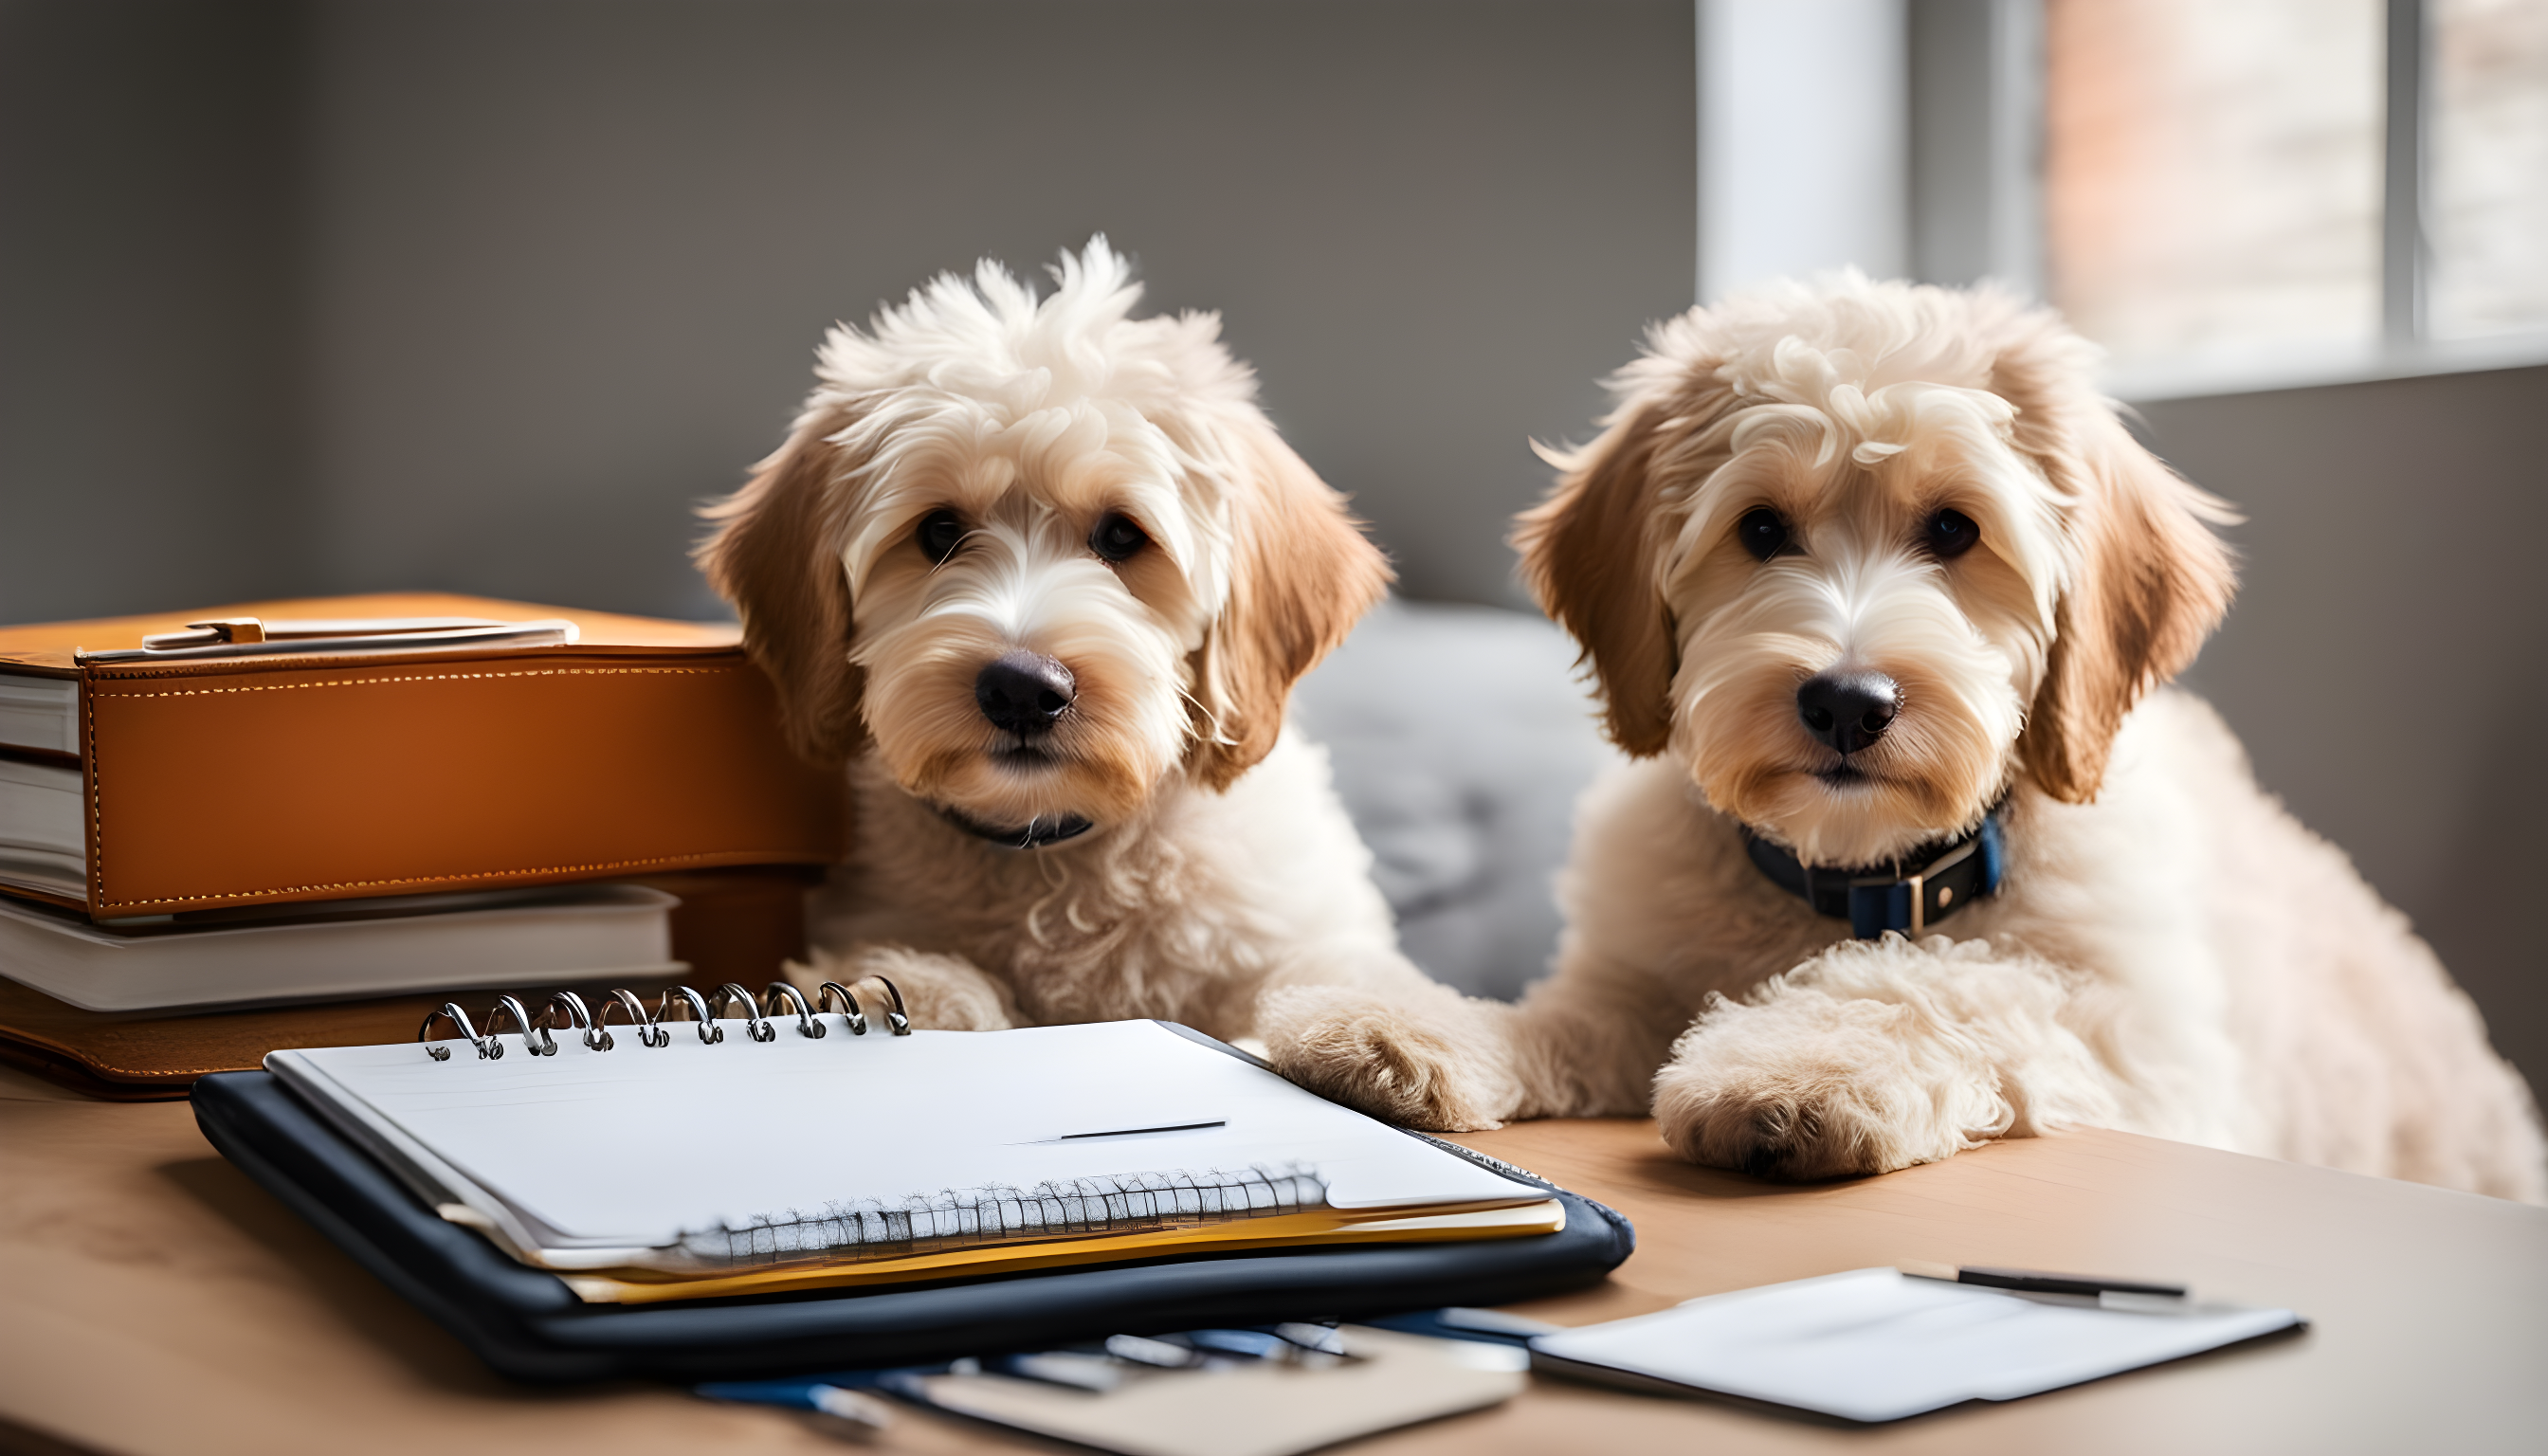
(1318, 1226)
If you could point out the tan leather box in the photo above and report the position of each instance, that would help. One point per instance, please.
(207, 780)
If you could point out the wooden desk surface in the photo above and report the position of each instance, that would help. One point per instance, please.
(152, 1299)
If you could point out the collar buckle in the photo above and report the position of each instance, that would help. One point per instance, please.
(1968, 869)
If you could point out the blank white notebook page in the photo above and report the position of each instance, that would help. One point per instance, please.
(634, 1146)
(1876, 1344)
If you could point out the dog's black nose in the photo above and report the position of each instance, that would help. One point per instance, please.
(1849, 710)
(1024, 691)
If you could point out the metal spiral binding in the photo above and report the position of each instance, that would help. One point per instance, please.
(566, 1009)
(754, 1026)
(488, 1048)
(709, 1032)
(546, 1045)
(806, 1026)
(578, 1014)
(897, 1020)
(849, 1012)
(639, 1021)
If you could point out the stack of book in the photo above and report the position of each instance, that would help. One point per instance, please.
(300, 822)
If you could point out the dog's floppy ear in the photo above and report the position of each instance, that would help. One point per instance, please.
(2151, 582)
(775, 554)
(1300, 576)
(1588, 555)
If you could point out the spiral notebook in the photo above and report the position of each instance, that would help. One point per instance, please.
(725, 1155)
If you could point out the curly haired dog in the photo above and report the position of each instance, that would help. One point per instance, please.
(1042, 575)
(1877, 589)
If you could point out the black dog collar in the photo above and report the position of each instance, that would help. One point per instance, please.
(1920, 889)
(1034, 835)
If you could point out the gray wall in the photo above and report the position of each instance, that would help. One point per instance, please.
(488, 295)
(150, 429)
(2385, 660)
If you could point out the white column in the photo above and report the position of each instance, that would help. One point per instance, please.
(1803, 139)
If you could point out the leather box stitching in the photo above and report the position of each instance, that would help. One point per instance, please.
(412, 678)
(362, 884)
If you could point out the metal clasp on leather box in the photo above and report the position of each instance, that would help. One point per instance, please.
(230, 637)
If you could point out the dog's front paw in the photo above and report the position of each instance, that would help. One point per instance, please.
(1797, 1130)
(941, 993)
(1385, 1059)
(1825, 1106)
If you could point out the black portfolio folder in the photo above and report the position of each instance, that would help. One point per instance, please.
(526, 1323)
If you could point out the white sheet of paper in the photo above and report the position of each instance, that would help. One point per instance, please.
(633, 1147)
(1877, 1344)
(1259, 1408)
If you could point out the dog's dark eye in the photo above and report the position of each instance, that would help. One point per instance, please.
(1117, 538)
(1763, 532)
(1952, 533)
(940, 532)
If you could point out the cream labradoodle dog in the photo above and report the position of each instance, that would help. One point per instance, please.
(1042, 575)
(1878, 591)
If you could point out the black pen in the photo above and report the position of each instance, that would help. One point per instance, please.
(2032, 1281)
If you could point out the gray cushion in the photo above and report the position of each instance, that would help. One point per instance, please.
(1460, 737)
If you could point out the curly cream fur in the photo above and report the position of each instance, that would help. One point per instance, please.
(1191, 912)
(2171, 951)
